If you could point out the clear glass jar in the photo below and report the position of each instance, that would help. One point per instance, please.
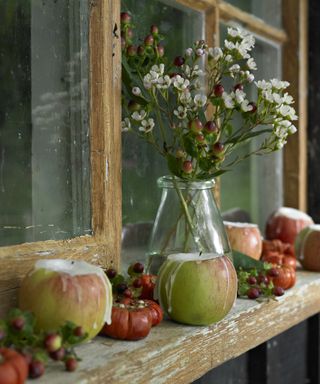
(188, 221)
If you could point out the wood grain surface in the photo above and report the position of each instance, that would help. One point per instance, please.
(175, 353)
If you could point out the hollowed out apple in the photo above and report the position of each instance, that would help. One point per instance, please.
(245, 238)
(197, 290)
(57, 291)
(285, 224)
(307, 247)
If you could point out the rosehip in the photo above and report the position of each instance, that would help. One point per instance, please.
(79, 331)
(131, 50)
(127, 293)
(138, 268)
(154, 29)
(218, 90)
(149, 40)
(52, 342)
(187, 166)
(141, 50)
(253, 293)
(71, 364)
(125, 18)
(36, 369)
(200, 138)
(18, 323)
(278, 291)
(218, 148)
(178, 61)
(210, 127)
(251, 280)
(238, 86)
(111, 273)
(160, 50)
(121, 287)
(137, 283)
(58, 355)
(195, 125)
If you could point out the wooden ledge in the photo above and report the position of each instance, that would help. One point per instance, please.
(174, 353)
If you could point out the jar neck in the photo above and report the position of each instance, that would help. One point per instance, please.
(169, 181)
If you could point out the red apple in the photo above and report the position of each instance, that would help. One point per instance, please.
(307, 247)
(285, 224)
(57, 291)
(245, 238)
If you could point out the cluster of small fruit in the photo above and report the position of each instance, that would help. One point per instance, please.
(137, 285)
(18, 332)
(256, 284)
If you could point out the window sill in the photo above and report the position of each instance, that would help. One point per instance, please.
(180, 354)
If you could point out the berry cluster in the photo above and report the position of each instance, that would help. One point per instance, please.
(18, 331)
(256, 283)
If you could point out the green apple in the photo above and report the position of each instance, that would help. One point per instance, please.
(196, 290)
(57, 291)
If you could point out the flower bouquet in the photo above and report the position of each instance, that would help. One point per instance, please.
(185, 108)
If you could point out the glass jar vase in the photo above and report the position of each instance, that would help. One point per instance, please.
(188, 221)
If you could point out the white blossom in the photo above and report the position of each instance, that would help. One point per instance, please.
(163, 82)
(228, 100)
(146, 125)
(229, 45)
(292, 129)
(180, 112)
(287, 99)
(150, 79)
(138, 116)
(267, 95)
(235, 32)
(215, 53)
(200, 52)
(262, 84)
(239, 96)
(180, 83)
(277, 98)
(234, 69)
(159, 69)
(245, 106)
(200, 100)
(185, 97)
(189, 52)
(136, 91)
(252, 64)
(125, 125)
(250, 77)
(196, 71)
(229, 58)
(287, 111)
(278, 84)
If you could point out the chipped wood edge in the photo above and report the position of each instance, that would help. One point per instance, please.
(295, 70)
(103, 248)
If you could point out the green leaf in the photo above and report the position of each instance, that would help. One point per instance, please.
(242, 261)
(190, 146)
(174, 165)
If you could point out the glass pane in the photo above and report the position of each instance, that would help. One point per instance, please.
(267, 10)
(44, 137)
(255, 185)
(141, 165)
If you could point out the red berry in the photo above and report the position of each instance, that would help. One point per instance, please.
(195, 125)
(178, 61)
(137, 283)
(138, 268)
(154, 29)
(58, 355)
(187, 166)
(210, 127)
(273, 272)
(125, 18)
(131, 50)
(52, 342)
(263, 279)
(254, 107)
(149, 40)
(238, 86)
(217, 148)
(111, 273)
(200, 138)
(278, 291)
(79, 331)
(36, 369)
(121, 288)
(18, 323)
(251, 280)
(218, 90)
(71, 364)
(141, 50)
(253, 293)
(160, 50)
(127, 293)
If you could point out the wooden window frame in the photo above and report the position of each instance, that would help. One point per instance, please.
(104, 247)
